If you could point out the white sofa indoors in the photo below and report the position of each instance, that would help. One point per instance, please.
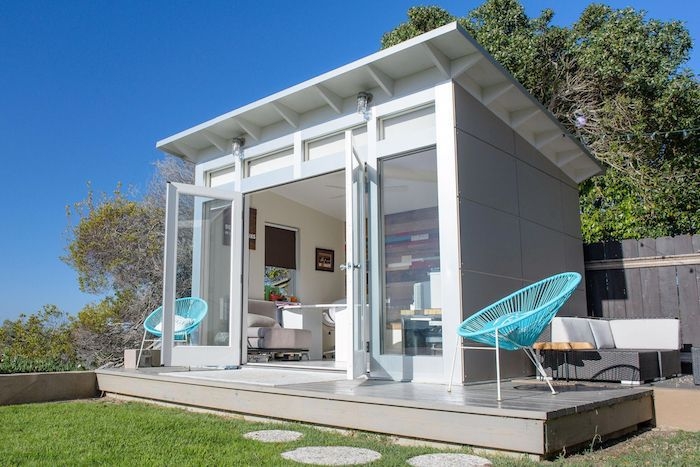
(266, 336)
(627, 350)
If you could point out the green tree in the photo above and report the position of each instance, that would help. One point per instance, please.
(116, 247)
(622, 75)
(38, 342)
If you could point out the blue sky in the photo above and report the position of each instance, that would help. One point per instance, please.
(88, 87)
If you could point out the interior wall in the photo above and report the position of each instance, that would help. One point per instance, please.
(315, 230)
(519, 222)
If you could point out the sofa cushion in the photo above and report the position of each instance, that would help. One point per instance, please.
(262, 307)
(280, 338)
(654, 334)
(572, 330)
(602, 333)
(255, 320)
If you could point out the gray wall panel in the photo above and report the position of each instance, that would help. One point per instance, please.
(487, 175)
(540, 197)
(570, 211)
(543, 251)
(490, 240)
(480, 290)
(477, 120)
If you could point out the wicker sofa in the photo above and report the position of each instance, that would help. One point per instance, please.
(630, 351)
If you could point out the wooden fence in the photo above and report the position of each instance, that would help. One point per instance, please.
(647, 278)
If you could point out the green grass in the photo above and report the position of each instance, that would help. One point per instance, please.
(107, 432)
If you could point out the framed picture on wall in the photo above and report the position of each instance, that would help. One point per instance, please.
(325, 260)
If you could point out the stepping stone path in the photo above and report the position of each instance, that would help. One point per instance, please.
(274, 436)
(449, 460)
(332, 455)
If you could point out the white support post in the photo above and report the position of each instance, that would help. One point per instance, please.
(169, 276)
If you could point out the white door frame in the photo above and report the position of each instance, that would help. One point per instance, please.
(201, 355)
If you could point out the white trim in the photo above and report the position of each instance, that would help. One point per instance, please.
(448, 202)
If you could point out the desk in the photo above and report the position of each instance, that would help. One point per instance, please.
(422, 334)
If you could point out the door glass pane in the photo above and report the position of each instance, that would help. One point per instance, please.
(412, 311)
(204, 264)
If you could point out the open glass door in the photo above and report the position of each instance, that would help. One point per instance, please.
(203, 247)
(406, 296)
(356, 256)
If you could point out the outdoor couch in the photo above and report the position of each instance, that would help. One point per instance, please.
(265, 333)
(631, 351)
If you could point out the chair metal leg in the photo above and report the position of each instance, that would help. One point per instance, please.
(533, 358)
(498, 370)
(143, 341)
(454, 361)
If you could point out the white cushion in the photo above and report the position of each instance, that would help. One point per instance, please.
(255, 320)
(180, 323)
(572, 330)
(602, 333)
(654, 334)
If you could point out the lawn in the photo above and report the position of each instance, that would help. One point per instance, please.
(109, 432)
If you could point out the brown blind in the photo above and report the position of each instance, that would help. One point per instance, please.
(280, 247)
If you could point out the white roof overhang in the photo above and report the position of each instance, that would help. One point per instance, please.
(449, 49)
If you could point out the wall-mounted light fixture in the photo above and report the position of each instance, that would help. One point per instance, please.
(237, 147)
(363, 101)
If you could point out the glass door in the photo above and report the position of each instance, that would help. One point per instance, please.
(203, 245)
(406, 337)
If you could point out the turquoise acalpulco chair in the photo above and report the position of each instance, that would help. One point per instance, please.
(516, 321)
(189, 313)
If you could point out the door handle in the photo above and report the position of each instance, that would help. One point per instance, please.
(348, 266)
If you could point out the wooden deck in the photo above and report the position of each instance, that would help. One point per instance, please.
(528, 420)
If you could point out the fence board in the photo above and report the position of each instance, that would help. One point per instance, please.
(688, 304)
(683, 244)
(596, 291)
(617, 293)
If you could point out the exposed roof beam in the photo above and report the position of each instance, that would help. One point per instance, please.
(542, 139)
(288, 114)
(462, 64)
(518, 117)
(187, 150)
(564, 157)
(333, 100)
(383, 80)
(440, 60)
(493, 92)
(253, 130)
(222, 144)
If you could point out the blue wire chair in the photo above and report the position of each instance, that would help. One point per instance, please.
(189, 313)
(516, 321)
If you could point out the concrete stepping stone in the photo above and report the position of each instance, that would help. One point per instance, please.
(449, 460)
(273, 436)
(332, 455)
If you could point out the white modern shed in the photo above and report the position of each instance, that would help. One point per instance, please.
(414, 186)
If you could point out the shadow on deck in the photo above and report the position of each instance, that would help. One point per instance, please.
(529, 419)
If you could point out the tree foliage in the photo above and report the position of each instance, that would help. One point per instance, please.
(116, 248)
(38, 342)
(615, 79)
